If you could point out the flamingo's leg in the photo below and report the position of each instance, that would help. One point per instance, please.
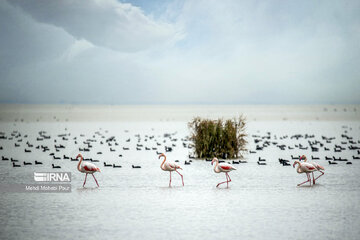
(229, 177)
(85, 180)
(95, 179)
(182, 178)
(305, 181)
(170, 179)
(222, 182)
(313, 178)
(322, 173)
(227, 180)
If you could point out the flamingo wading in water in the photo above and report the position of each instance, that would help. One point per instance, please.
(170, 166)
(88, 168)
(316, 165)
(304, 168)
(222, 167)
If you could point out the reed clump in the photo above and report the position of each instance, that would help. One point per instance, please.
(218, 138)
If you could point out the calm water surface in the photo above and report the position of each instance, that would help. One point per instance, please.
(262, 202)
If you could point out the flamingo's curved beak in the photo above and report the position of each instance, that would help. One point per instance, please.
(294, 164)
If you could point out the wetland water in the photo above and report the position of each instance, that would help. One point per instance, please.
(262, 202)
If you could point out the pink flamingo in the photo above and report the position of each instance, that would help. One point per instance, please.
(316, 165)
(304, 168)
(170, 166)
(222, 167)
(88, 168)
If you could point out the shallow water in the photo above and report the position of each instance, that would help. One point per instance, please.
(262, 202)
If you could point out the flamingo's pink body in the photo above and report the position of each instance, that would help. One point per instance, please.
(316, 165)
(170, 166)
(222, 167)
(88, 168)
(304, 168)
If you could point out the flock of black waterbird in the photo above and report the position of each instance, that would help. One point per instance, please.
(54, 146)
(310, 144)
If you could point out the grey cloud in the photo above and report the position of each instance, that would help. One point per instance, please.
(271, 52)
(106, 23)
(23, 42)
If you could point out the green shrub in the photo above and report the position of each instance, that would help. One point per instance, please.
(218, 138)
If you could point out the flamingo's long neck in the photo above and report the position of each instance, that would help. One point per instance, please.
(162, 164)
(79, 164)
(298, 170)
(216, 169)
(298, 167)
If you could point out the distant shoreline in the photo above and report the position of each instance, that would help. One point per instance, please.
(63, 113)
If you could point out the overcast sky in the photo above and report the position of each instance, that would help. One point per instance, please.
(179, 52)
